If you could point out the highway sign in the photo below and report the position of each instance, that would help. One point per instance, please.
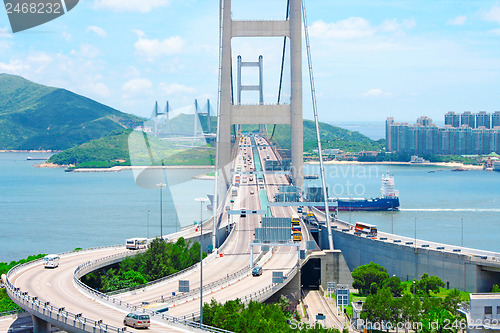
(320, 316)
(183, 286)
(310, 245)
(302, 254)
(278, 277)
(342, 295)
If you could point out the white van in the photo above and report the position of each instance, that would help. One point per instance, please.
(51, 261)
(136, 243)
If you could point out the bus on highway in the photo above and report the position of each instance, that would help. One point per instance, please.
(136, 243)
(295, 219)
(51, 261)
(366, 228)
(296, 236)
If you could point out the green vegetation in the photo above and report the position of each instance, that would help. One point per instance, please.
(495, 288)
(5, 267)
(113, 150)
(34, 116)
(5, 302)
(104, 152)
(400, 157)
(423, 304)
(160, 260)
(256, 317)
(332, 137)
(370, 278)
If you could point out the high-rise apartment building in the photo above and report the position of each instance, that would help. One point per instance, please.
(467, 118)
(452, 119)
(425, 138)
(483, 119)
(495, 119)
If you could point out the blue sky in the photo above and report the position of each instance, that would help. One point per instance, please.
(371, 58)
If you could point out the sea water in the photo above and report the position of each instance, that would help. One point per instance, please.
(47, 210)
(433, 199)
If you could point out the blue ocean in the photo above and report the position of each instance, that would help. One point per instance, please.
(44, 210)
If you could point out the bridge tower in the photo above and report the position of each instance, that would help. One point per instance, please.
(236, 114)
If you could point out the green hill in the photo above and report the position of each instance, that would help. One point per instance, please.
(331, 137)
(34, 116)
(114, 149)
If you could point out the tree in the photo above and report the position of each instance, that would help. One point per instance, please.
(394, 284)
(365, 275)
(452, 301)
(253, 318)
(379, 307)
(495, 288)
(427, 284)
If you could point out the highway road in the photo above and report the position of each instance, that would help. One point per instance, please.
(56, 285)
(236, 255)
(317, 304)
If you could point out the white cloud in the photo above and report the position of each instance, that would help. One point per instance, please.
(459, 20)
(154, 48)
(86, 51)
(176, 89)
(358, 27)
(4, 33)
(492, 15)
(351, 28)
(15, 66)
(97, 88)
(66, 35)
(376, 92)
(136, 87)
(142, 6)
(97, 30)
(495, 32)
(396, 27)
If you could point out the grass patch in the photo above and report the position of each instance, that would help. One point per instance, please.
(6, 303)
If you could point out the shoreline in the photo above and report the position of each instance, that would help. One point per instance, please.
(30, 151)
(438, 164)
(119, 168)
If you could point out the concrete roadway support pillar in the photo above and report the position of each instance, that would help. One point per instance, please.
(296, 91)
(334, 269)
(292, 290)
(40, 325)
(224, 148)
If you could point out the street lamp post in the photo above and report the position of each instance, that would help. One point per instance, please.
(149, 211)
(415, 232)
(201, 200)
(462, 232)
(161, 186)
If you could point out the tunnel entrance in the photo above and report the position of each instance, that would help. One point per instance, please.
(311, 274)
(315, 234)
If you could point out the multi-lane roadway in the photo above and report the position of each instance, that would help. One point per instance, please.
(228, 274)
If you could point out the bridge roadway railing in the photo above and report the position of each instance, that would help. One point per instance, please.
(263, 294)
(142, 287)
(214, 286)
(167, 319)
(61, 318)
(475, 255)
(166, 279)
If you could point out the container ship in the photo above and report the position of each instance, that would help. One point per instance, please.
(389, 199)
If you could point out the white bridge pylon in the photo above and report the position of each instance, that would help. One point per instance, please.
(237, 114)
